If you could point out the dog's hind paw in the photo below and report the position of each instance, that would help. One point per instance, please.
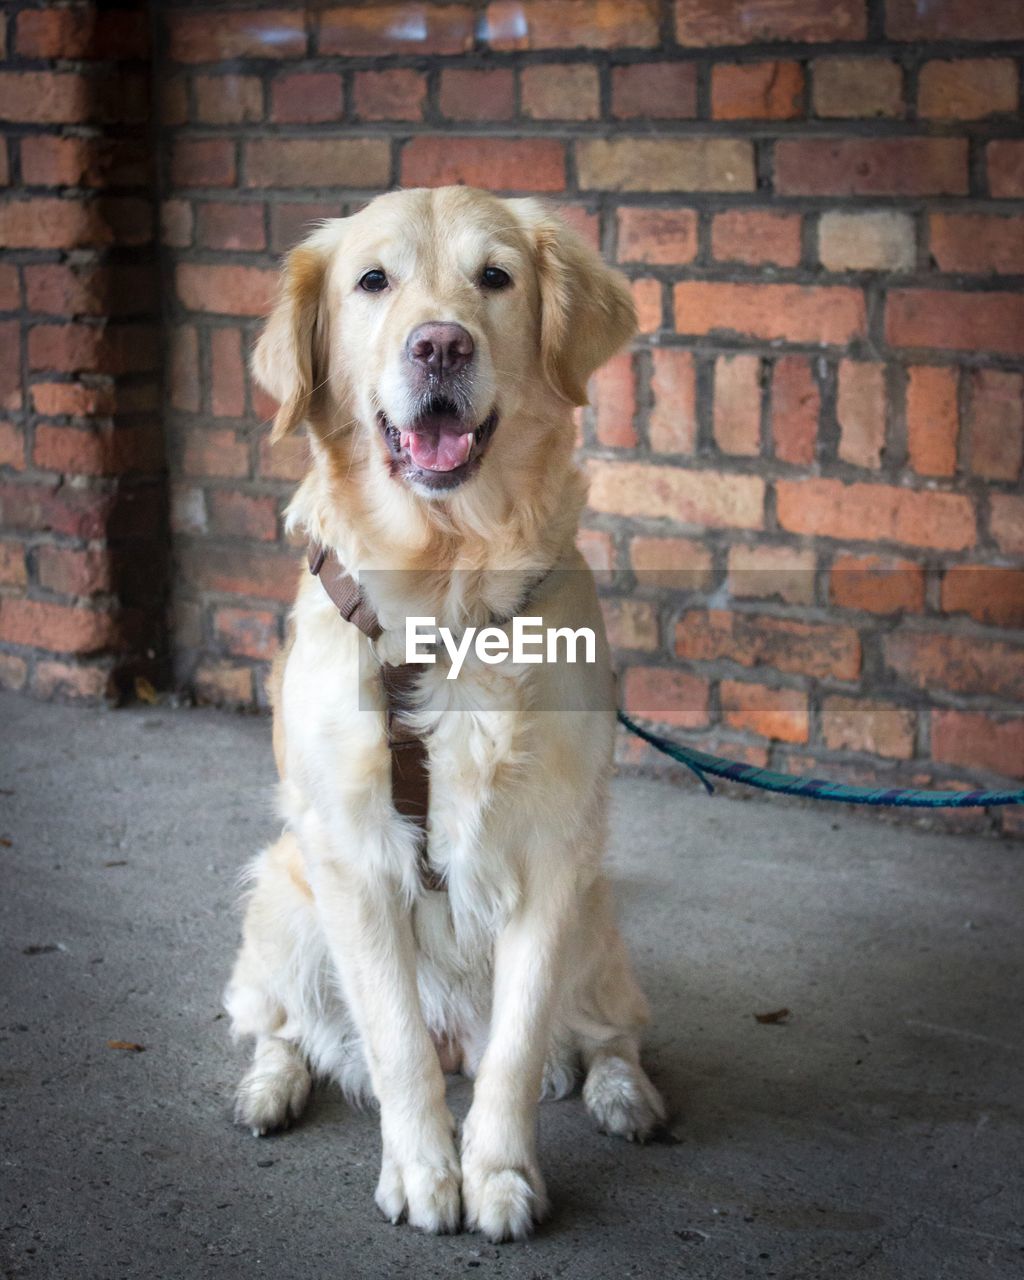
(274, 1091)
(504, 1204)
(622, 1100)
(426, 1195)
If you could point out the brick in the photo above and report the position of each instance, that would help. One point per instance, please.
(933, 422)
(672, 426)
(13, 672)
(756, 238)
(176, 223)
(817, 649)
(878, 240)
(188, 509)
(45, 97)
(790, 312)
(306, 98)
(655, 91)
(857, 88)
(208, 162)
(82, 348)
(795, 405)
(598, 550)
(977, 243)
(47, 223)
(664, 237)
(248, 633)
(572, 24)
(56, 508)
(56, 627)
(1006, 520)
(764, 570)
(477, 95)
(871, 167)
(10, 365)
(671, 564)
(239, 33)
(666, 696)
(875, 512)
(10, 289)
(71, 680)
(958, 663)
(12, 565)
(989, 322)
(264, 573)
(81, 33)
(614, 398)
(876, 728)
(72, 399)
(227, 374)
(990, 595)
(954, 20)
(737, 409)
(12, 447)
(72, 290)
(230, 99)
(100, 451)
(172, 102)
(228, 291)
(396, 94)
(241, 515)
(220, 225)
(75, 573)
(705, 23)
(48, 161)
(183, 372)
(779, 714)
(995, 424)
(568, 91)
(1004, 161)
(648, 303)
(355, 31)
(967, 89)
(672, 493)
(665, 164)
(860, 410)
(757, 91)
(221, 684)
(977, 741)
(316, 162)
(497, 164)
(630, 624)
(292, 222)
(217, 453)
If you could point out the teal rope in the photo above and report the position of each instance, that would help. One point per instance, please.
(701, 763)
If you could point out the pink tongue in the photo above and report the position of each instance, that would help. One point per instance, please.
(438, 450)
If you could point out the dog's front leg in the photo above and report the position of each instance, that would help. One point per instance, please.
(369, 934)
(502, 1187)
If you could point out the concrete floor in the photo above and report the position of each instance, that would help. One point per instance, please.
(877, 1134)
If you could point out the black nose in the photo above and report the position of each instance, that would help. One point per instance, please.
(440, 348)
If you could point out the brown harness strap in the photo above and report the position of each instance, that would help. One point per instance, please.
(410, 772)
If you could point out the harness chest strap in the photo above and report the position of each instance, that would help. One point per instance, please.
(410, 771)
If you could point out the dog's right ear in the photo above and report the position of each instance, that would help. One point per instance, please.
(290, 357)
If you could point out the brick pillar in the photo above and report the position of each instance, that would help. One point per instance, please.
(82, 488)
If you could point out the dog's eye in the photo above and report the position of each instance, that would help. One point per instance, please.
(495, 278)
(374, 281)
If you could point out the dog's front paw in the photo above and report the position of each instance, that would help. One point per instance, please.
(503, 1203)
(622, 1100)
(425, 1193)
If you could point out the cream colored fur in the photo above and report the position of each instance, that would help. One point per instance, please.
(349, 969)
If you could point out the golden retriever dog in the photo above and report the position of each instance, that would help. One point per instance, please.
(434, 345)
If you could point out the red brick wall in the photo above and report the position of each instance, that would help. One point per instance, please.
(83, 539)
(820, 204)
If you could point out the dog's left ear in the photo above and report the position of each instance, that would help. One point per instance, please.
(587, 310)
(290, 357)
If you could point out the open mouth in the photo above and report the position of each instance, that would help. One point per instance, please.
(438, 450)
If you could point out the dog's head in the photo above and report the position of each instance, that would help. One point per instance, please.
(421, 335)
